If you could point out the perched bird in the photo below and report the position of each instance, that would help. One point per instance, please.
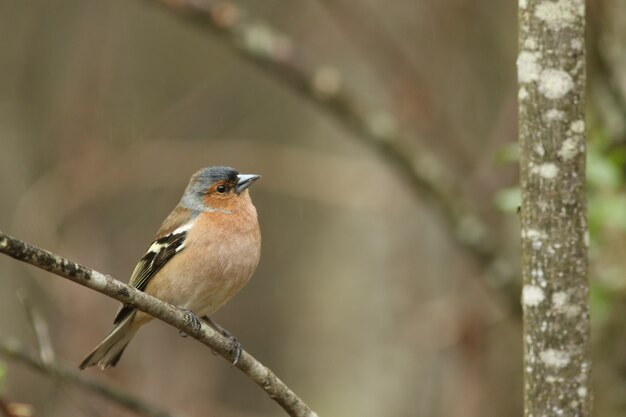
(205, 251)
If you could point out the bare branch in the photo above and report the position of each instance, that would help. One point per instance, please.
(12, 349)
(275, 54)
(44, 342)
(174, 316)
(40, 328)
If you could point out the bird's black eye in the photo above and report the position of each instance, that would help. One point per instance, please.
(221, 189)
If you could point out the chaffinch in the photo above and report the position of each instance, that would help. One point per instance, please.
(205, 251)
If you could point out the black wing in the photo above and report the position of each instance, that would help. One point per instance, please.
(159, 253)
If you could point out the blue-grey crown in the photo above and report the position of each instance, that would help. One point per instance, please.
(207, 176)
(201, 181)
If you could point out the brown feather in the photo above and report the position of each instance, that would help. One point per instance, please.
(178, 217)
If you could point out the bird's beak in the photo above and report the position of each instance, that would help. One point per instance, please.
(244, 181)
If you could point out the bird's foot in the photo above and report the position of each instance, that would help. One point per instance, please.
(193, 320)
(235, 350)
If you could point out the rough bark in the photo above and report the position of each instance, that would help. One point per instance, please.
(551, 76)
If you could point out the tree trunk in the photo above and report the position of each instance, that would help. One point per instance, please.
(551, 76)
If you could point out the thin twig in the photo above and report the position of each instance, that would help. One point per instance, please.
(46, 350)
(40, 328)
(174, 316)
(12, 349)
(275, 54)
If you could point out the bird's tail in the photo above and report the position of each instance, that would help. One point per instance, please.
(109, 351)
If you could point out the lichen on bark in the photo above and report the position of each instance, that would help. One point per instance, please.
(551, 77)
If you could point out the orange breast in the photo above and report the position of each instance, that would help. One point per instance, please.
(221, 253)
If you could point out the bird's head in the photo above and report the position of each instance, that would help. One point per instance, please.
(220, 188)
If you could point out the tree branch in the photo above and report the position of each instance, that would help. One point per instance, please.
(274, 54)
(12, 349)
(174, 316)
(40, 328)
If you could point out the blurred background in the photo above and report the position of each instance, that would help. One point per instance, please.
(368, 300)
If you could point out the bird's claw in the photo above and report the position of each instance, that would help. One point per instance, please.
(236, 350)
(193, 320)
(235, 347)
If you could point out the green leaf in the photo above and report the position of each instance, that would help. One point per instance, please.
(607, 210)
(508, 199)
(601, 171)
(3, 373)
(507, 154)
(601, 301)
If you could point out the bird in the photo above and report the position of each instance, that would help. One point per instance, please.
(205, 251)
